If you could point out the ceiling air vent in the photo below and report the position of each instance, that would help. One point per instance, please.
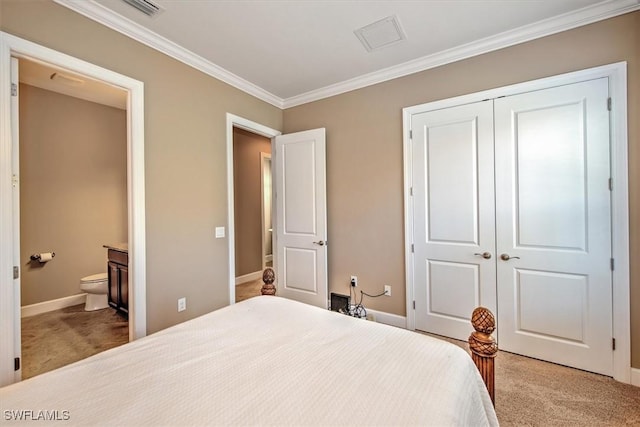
(145, 6)
(383, 33)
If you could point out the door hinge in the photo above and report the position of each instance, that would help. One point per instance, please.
(414, 305)
(612, 264)
(609, 103)
(412, 248)
(411, 191)
(411, 134)
(14, 180)
(16, 272)
(610, 184)
(16, 364)
(613, 343)
(14, 89)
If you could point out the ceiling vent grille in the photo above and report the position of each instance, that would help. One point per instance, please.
(145, 6)
(380, 34)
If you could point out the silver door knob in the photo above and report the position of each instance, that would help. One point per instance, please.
(506, 257)
(320, 242)
(485, 255)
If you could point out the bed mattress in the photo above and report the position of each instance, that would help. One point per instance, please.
(265, 361)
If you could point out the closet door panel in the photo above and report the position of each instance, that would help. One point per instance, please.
(553, 225)
(453, 216)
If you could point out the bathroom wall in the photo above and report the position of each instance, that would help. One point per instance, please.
(247, 182)
(73, 196)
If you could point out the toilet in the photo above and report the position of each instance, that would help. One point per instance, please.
(96, 288)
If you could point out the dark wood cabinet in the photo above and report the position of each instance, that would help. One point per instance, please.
(118, 272)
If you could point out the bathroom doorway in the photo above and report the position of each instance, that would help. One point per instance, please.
(10, 305)
(73, 200)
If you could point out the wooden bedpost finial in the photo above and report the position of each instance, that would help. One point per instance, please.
(483, 321)
(268, 277)
(483, 346)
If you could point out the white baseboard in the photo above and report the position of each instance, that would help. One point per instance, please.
(248, 277)
(56, 304)
(388, 318)
(635, 377)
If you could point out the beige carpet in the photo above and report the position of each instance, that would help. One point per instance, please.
(58, 338)
(531, 392)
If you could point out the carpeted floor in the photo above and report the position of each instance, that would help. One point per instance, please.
(532, 392)
(58, 338)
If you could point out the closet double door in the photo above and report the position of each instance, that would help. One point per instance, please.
(511, 211)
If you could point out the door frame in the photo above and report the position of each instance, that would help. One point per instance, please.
(617, 75)
(257, 128)
(11, 45)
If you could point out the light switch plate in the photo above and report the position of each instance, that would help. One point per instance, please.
(219, 232)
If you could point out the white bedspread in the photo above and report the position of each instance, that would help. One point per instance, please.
(265, 361)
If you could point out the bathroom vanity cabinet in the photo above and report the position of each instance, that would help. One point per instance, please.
(118, 272)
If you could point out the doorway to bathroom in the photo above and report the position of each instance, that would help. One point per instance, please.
(12, 49)
(73, 201)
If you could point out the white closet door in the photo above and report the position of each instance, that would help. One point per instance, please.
(553, 216)
(452, 151)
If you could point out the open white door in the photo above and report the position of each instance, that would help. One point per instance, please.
(301, 217)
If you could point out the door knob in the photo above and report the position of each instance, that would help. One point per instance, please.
(506, 257)
(320, 242)
(485, 255)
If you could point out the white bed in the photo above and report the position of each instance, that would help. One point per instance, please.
(265, 361)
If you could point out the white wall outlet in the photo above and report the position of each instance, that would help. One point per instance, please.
(387, 290)
(354, 281)
(182, 304)
(219, 232)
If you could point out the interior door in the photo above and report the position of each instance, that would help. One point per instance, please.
(454, 235)
(553, 216)
(301, 217)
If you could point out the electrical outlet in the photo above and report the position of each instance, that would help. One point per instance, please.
(354, 281)
(182, 304)
(387, 290)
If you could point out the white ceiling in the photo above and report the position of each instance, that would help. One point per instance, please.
(291, 52)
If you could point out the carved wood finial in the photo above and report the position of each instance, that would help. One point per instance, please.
(483, 346)
(268, 277)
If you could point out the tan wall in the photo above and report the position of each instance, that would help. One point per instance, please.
(247, 173)
(364, 149)
(185, 154)
(73, 194)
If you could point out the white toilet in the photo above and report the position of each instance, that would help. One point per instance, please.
(96, 288)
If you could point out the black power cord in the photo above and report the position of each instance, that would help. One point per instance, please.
(358, 310)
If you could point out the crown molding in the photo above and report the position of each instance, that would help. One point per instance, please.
(584, 16)
(129, 28)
